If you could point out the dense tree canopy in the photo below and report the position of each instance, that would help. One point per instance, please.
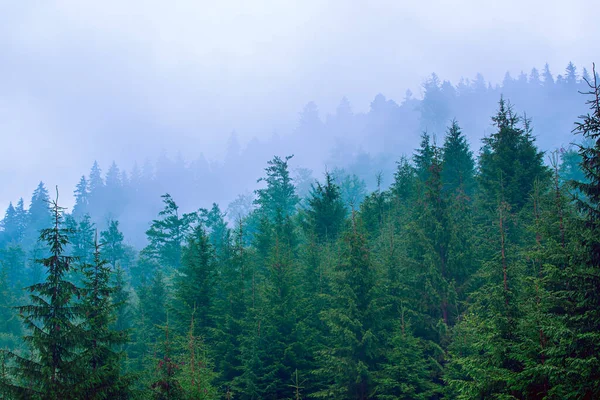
(459, 274)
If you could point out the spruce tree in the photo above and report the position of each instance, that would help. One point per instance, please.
(279, 197)
(510, 162)
(583, 359)
(195, 283)
(348, 364)
(326, 213)
(167, 234)
(458, 168)
(82, 198)
(112, 244)
(54, 336)
(423, 156)
(101, 356)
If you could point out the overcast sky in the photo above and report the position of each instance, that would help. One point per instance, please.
(75, 76)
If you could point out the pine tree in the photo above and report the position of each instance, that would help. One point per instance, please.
(458, 169)
(218, 232)
(112, 244)
(96, 202)
(196, 374)
(279, 344)
(195, 283)
(231, 307)
(101, 357)
(166, 385)
(10, 328)
(121, 301)
(423, 156)
(96, 182)
(50, 320)
(167, 234)
(38, 216)
(82, 239)
(582, 361)
(9, 227)
(349, 363)
(279, 197)
(82, 198)
(404, 182)
(406, 373)
(326, 213)
(510, 162)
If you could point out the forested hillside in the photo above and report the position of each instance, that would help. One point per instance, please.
(470, 273)
(359, 149)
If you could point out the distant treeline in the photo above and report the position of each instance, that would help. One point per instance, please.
(468, 277)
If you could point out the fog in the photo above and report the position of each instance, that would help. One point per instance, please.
(127, 81)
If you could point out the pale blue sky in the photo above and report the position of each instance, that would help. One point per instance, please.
(151, 74)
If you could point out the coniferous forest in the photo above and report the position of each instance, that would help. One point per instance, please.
(472, 272)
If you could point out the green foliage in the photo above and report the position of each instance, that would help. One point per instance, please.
(348, 363)
(167, 234)
(53, 335)
(509, 162)
(325, 213)
(453, 282)
(279, 197)
(101, 358)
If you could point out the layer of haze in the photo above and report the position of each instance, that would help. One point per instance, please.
(121, 80)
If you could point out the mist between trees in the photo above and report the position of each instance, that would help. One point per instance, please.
(449, 273)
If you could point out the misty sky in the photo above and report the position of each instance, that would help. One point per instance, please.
(78, 76)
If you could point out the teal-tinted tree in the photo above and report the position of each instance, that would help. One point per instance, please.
(423, 157)
(167, 234)
(458, 165)
(279, 197)
(509, 162)
(113, 247)
(195, 284)
(82, 198)
(50, 320)
(582, 361)
(38, 216)
(348, 364)
(101, 356)
(325, 212)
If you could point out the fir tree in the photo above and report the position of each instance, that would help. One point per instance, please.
(50, 320)
(101, 357)
(112, 244)
(279, 197)
(195, 282)
(423, 156)
(510, 162)
(326, 213)
(167, 234)
(82, 198)
(458, 168)
(348, 364)
(583, 318)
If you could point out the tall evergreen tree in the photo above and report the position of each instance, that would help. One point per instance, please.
(82, 198)
(195, 283)
(112, 244)
(38, 215)
(423, 156)
(458, 168)
(167, 234)
(510, 162)
(101, 356)
(348, 365)
(279, 197)
(326, 213)
(583, 318)
(51, 322)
